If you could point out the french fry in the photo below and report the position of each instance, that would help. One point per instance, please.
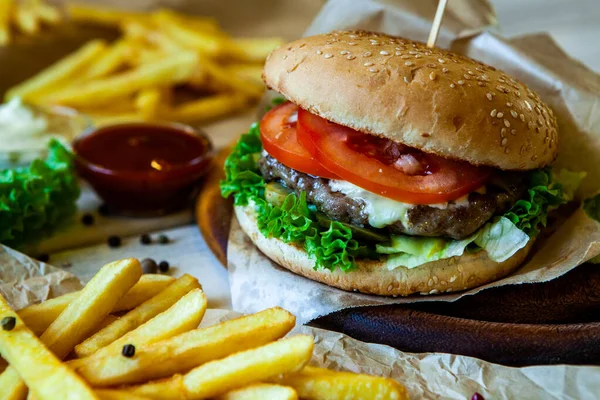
(6, 10)
(188, 350)
(38, 317)
(248, 72)
(109, 61)
(115, 394)
(26, 19)
(183, 316)
(319, 383)
(103, 16)
(39, 368)
(172, 70)
(47, 13)
(207, 108)
(13, 387)
(254, 49)
(141, 32)
(225, 80)
(166, 389)
(261, 391)
(148, 103)
(238, 370)
(58, 73)
(190, 37)
(113, 118)
(138, 316)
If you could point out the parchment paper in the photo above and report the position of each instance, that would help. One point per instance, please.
(572, 90)
(426, 376)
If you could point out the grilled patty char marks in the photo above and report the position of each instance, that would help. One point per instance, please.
(455, 221)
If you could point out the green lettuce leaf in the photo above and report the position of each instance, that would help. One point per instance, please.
(293, 221)
(37, 199)
(500, 238)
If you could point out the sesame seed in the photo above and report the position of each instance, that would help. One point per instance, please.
(441, 60)
(461, 82)
(432, 76)
(418, 56)
(506, 123)
(285, 56)
(409, 63)
(372, 69)
(431, 65)
(413, 52)
(537, 110)
(518, 93)
(467, 77)
(489, 96)
(406, 79)
(509, 104)
(328, 55)
(319, 52)
(384, 53)
(504, 142)
(351, 44)
(500, 115)
(506, 150)
(503, 132)
(494, 112)
(444, 70)
(514, 114)
(452, 85)
(367, 54)
(368, 64)
(344, 52)
(513, 132)
(350, 57)
(481, 84)
(470, 72)
(398, 53)
(430, 282)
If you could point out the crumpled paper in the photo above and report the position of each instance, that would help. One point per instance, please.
(572, 90)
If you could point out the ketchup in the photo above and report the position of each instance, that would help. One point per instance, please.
(143, 168)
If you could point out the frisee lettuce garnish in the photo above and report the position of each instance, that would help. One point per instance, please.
(293, 221)
(36, 199)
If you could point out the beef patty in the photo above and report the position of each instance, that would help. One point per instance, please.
(456, 221)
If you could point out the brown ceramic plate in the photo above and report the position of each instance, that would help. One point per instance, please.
(556, 322)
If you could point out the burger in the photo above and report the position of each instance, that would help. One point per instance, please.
(391, 168)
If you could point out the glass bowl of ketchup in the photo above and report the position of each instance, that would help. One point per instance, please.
(144, 169)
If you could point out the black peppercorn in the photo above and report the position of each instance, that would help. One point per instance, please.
(145, 239)
(128, 350)
(114, 241)
(163, 266)
(87, 219)
(103, 210)
(8, 323)
(163, 239)
(149, 266)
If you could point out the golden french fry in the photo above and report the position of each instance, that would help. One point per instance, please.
(115, 394)
(6, 10)
(254, 49)
(26, 19)
(166, 389)
(103, 15)
(138, 31)
(319, 383)
(149, 102)
(199, 23)
(238, 370)
(261, 391)
(58, 73)
(13, 387)
(183, 316)
(223, 79)
(47, 13)
(248, 72)
(171, 70)
(38, 317)
(191, 349)
(109, 61)
(35, 364)
(138, 316)
(187, 36)
(105, 119)
(208, 108)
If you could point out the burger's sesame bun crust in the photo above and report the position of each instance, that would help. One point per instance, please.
(425, 98)
(373, 277)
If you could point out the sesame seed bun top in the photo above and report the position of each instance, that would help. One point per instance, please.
(425, 98)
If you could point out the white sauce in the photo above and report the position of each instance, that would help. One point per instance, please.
(383, 211)
(21, 129)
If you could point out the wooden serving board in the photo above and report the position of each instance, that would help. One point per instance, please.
(556, 322)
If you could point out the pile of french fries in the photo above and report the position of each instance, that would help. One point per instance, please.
(164, 66)
(131, 336)
(26, 17)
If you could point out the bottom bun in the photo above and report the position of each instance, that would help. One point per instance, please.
(373, 277)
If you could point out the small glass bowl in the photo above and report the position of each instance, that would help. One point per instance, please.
(64, 122)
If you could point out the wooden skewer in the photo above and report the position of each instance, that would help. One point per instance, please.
(437, 23)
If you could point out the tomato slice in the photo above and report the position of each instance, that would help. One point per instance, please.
(278, 135)
(385, 167)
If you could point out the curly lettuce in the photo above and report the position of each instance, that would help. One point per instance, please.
(36, 200)
(293, 221)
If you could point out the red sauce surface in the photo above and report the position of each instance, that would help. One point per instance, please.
(141, 148)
